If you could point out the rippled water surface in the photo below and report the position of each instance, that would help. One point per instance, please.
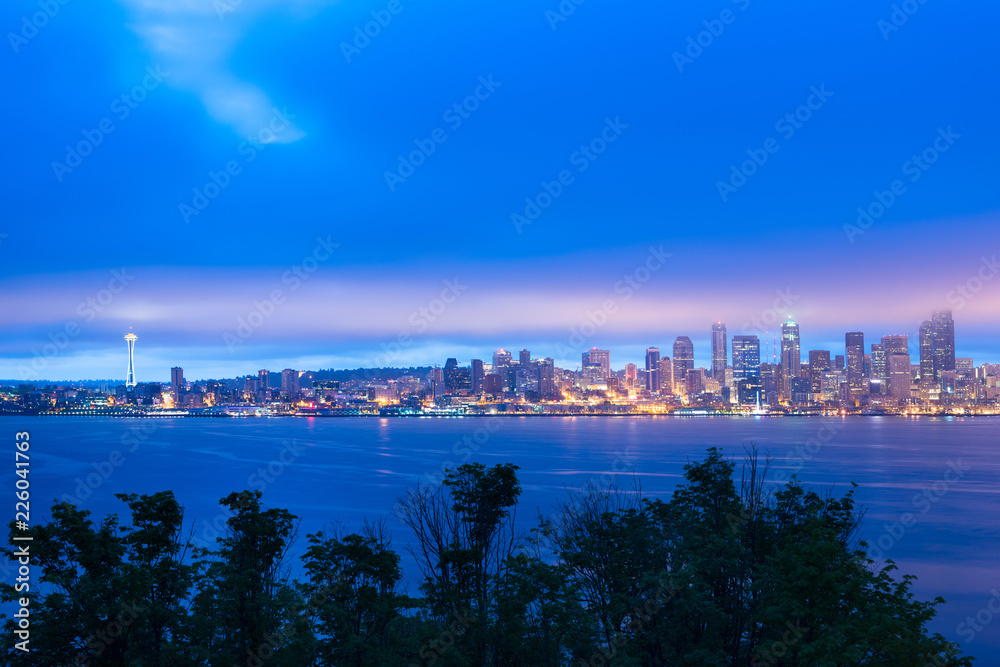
(943, 472)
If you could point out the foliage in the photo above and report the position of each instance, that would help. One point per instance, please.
(724, 572)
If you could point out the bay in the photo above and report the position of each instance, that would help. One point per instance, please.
(944, 473)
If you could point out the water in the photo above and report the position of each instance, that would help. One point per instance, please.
(944, 472)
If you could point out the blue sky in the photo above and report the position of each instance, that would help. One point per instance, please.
(250, 143)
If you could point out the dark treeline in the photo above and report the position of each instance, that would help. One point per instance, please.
(726, 572)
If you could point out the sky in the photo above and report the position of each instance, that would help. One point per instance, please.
(313, 184)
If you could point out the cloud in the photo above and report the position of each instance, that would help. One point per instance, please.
(194, 39)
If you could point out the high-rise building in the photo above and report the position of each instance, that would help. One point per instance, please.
(477, 376)
(819, 364)
(879, 367)
(631, 375)
(927, 351)
(838, 362)
(666, 378)
(501, 359)
(683, 359)
(943, 328)
(598, 359)
(653, 369)
(746, 357)
(791, 356)
(290, 383)
(130, 339)
(854, 342)
(718, 349)
(264, 376)
(176, 382)
(524, 357)
(899, 376)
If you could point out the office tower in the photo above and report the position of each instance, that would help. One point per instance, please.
(477, 376)
(854, 342)
(965, 367)
(819, 364)
(927, 351)
(547, 378)
(899, 376)
(630, 375)
(791, 356)
(746, 357)
(653, 369)
(838, 362)
(718, 349)
(493, 384)
(599, 360)
(879, 368)
(666, 376)
(896, 344)
(683, 359)
(694, 381)
(525, 358)
(943, 329)
(501, 360)
(251, 385)
(290, 383)
(451, 375)
(176, 382)
(130, 339)
(264, 377)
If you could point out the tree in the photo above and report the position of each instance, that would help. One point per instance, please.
(114, 593)
(354, 598)
(246, 610)
(464, 541)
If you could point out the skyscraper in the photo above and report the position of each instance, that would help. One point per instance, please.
(791, 356)
(653, 369)
(899, 376)
(746, 357)
(666, 376)
(130, 339)
(176, 382)
(943, 328)
(819, 364)
(927, 351)
(525, 358)
(264, 376)
(290, 383)
(683, 359)
(854, 342)
(598, 359)
(477, 376)
(718, 349)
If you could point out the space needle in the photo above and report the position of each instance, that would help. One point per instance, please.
(130, 338)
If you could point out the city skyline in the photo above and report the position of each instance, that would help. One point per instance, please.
(784, 349)
(506, 198)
